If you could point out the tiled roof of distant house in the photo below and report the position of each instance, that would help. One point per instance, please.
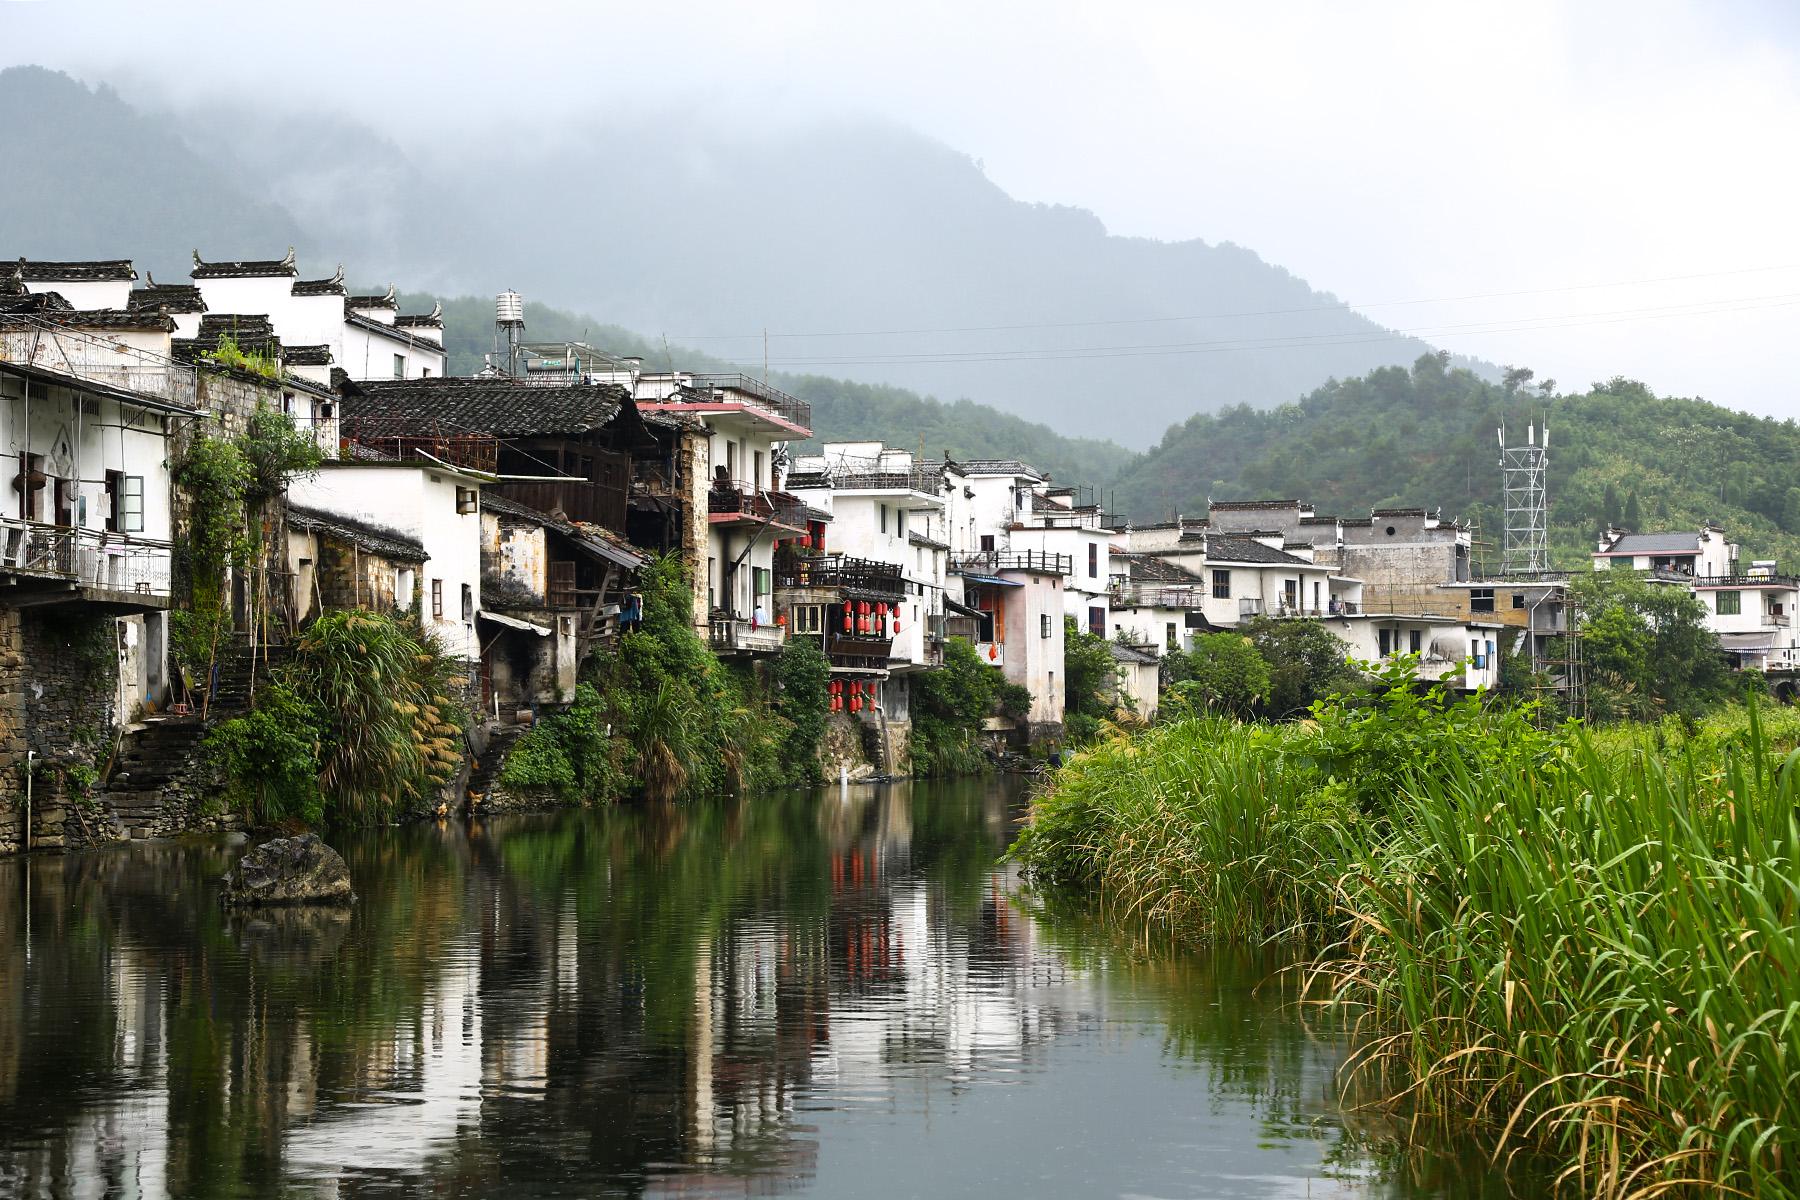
(1655, 543)
(1243, 505)
(244, 268)
(176, 297)
(494, 406)
(1398, 512)
(808, 479)
(306, 356)
(99, 270)
(431, 320)
(995, 466)
(388, 543)
(1132, 654)
(333, 286)
(50, 306)
(1248, 550)
(386, 300)
(253, 333)
(601, 541)
(1147, 569)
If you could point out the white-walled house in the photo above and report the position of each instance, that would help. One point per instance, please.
(1688, 554)
(748, 424)
(89, 400)
(1056, 522)
(367, 335)
(886, 507)
(435, 505)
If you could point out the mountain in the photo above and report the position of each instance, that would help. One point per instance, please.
(88, 176)
(842, 410)
(1425, 437)
(667, 223)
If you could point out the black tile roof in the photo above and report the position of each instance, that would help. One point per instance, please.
(320, 287)
(50, 306)
(386, 300)
(90, 271)
(493, 406)
(33, 303)
(1221, 548)
(995, 466)
(408, 336)
(431, 320)
(1156, 570)
(244, 268)
(1245, 505)
(389, 543)
(176, 297)
(306, 356)
(252, 332)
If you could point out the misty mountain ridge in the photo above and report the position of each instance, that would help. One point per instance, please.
(664, 225)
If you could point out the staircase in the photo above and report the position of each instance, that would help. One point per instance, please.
(158, 752)
(487, 768)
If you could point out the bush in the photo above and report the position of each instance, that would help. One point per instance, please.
(270, 757)
(803, 700)
(949, 707)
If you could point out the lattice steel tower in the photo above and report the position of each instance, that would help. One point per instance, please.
(1527, 544)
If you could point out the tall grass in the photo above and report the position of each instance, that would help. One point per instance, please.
(1597, 955)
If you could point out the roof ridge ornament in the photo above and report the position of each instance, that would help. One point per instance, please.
(337, 276)
(437, 311)
(288, 259)
(388, 295)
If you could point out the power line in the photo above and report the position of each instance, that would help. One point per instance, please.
(1294, 341)
(1222, 316)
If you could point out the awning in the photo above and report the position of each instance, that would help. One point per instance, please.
(991, 580)
(513, 623)
(1747, 641)
(610, 552)
(963, 609)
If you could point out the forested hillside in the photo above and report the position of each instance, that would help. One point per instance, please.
(1426, 437)
(842, 410)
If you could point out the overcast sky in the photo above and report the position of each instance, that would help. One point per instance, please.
(1390, 153)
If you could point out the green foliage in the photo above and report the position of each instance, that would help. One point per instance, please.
(567, 753)
(390, 737)
(275, 450)
(537, 763)
(1223, 673)
(949, 706)
(270, 757)
(230, 354)
(1522, 908)
(215, 476)
(1090, 681)
(1646, 647)
(803, 700)
(1305, 661)
(1338, 447)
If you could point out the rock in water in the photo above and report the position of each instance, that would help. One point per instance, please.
(293, 870)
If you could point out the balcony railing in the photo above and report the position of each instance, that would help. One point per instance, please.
(752, 503)
(1759, 580)
(115, 562)
(735, 634)
(840, 572)
(760, 395)
(987, 562)
(929, 482)
(1159, 595)
(93, 358)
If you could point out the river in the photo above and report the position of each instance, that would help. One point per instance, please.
(835, 995)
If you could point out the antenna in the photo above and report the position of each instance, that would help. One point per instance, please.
(1526, 547)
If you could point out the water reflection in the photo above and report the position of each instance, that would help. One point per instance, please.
(835, 995)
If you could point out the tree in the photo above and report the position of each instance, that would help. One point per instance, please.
(1790, 510)
(1646, 647)
(1633, 517)
(1516, 377)
(1306, 664)
(1609, 506)
(1090, 681)
(1223, 673)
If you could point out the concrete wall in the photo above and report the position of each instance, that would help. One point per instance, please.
(1032, 659)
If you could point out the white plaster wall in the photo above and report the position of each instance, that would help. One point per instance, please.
(1032, 659)
(422, 503)
(86, 294)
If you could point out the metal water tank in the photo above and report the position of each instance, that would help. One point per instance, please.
(509, 308)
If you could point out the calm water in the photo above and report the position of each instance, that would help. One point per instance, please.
(821, 996)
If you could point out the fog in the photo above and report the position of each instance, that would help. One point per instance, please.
(1590, 189)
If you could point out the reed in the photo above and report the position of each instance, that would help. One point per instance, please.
(1596, 955)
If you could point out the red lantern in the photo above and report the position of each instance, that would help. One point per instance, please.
(881, 609)
(993, 652)
(896, 624)
(847, 626)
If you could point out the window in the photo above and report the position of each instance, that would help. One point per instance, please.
(1387, 643)
(1728, 604)
(1171, 637)
(1044, 626)
(403, 588)
(437, 599)
(468, 603)
(287, 403)
(987, 543)
(761, 580)
(1097, 621)
(1221, 585)
(808, 618)
(1093, 561)
(1481, 600)
(756, 475)
(1518, 599)
(1412, 642)
(883, 508)
(399, 366)
(125, 497)
(712, 567)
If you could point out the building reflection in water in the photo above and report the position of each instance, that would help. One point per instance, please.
(620, 1001)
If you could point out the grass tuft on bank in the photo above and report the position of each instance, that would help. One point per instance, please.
(1586, 943)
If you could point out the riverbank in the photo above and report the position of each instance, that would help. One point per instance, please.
(1582, 944)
